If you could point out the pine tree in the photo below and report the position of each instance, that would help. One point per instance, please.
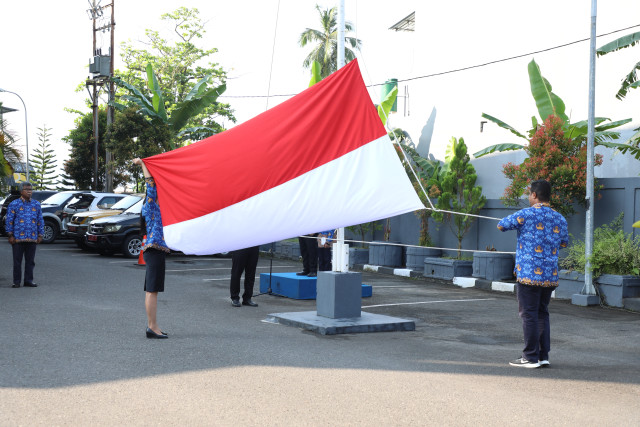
(65, 182)
(43, 161)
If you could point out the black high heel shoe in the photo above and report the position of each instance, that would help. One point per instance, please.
(151, 334)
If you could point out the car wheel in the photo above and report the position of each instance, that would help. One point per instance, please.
(50, 232)
(131, 246)
(82, 244)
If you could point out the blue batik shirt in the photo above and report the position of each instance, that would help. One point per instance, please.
(541, 233)
(329, 234)
(151, 214)
(24, 220)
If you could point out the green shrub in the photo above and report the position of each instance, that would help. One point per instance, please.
(614, 252)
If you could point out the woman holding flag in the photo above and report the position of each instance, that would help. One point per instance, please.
(155, 251)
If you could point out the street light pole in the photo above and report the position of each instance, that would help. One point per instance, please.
(26, 127)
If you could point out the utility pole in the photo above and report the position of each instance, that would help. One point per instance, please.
(102, 70)
(110, 110)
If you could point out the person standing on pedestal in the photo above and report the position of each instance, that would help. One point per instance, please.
(243, 260)
(325, 240)
(309, 253)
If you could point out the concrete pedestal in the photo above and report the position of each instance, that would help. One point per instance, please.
(339, 295)
(584, 300)
(367, 322)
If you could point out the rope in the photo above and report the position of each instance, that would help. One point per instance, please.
(416, 246)
(273, 51)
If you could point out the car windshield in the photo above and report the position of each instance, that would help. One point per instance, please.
(127, 202)
(57, 199)
(81, 201)
(135, 209)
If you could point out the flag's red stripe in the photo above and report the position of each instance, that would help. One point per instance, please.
(326, 121)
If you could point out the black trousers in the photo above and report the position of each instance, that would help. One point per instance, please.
(324, 259)
(244, 260)
(309, 253)
(26, 250)
(533, 308)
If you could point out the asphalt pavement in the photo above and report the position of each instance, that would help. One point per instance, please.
(73, 352)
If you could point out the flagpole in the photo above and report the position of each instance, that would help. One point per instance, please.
(340, 250)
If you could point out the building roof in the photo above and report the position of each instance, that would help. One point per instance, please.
(407, 23)
(4, 109)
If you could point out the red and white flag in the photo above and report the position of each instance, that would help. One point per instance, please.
(319, 161)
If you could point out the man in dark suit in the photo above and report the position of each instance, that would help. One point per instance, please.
(309, 253)
(243, 260)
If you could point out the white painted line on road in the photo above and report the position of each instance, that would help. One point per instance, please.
(428, 302)
(226, 268)
(407, 286)
(224, 278)
(58, 250)
(87, 255)
(132, 261)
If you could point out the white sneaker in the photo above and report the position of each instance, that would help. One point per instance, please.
(544, 363)
(524, 363)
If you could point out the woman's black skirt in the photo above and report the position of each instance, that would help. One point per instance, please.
(154, 278)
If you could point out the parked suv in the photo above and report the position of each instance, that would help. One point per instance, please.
(79, 223)
(38, 195)
(117, 233)
(88, 201)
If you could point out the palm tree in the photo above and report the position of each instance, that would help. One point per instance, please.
(7, 153)
(326, 50)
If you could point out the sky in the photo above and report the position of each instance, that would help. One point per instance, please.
(46, 47)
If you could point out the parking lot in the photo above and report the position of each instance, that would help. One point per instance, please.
(73, 351)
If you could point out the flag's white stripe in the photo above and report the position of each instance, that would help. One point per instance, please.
(365, 185)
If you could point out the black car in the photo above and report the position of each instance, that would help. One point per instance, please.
(38, 195)
(118, 233)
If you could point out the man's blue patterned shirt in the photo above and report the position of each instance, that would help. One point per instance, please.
(541, 233)
(24, 220)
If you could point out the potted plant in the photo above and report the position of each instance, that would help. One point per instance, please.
(359, 253)
(491, 265)
(615, 262)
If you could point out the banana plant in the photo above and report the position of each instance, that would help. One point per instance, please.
(549, 103)
(315, 73)
(631, 80)
(199, 98)
(384, 109)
